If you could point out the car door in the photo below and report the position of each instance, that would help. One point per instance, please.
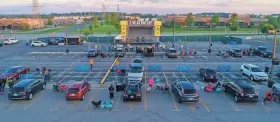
(31, 87)
(83, 88)
(246, 70)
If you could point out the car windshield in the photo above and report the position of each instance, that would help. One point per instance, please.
(137, 61)
(249, 90)
(210, 72)
(17, 89)
(131, 89)
(237, 51)
(11, 70)
(256, 69)
(118, 50)
(189, 91)
(73, 90)
(262, 49)
(135, 69)
(173, 51)
(94, 50)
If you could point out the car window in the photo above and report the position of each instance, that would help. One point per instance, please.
(262, 49)
(238, 51)
(189, 91)
(248, 90)
(173, 51)
(11, 70)
(179, 87)
(135, 69)
(17, 89)
(32, 83)
(246, 67)
(137, 61)
(73, 90)
(132, 88)
(210, 72)
(256, 69)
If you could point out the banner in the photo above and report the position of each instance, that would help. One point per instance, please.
(123, 31)
(157, 30)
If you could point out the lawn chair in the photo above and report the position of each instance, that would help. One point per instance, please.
(108, 105)
(96, 105)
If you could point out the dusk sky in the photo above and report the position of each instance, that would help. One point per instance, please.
(143, 6)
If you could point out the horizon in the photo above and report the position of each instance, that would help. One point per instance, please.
(160, 7)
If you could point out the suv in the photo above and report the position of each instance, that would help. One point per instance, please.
(171, 53)
(14, 72)
(185, 91)
(235, 52)
(119, 52)
(26, 88)
(135, 72)
(241, 91)
(208, 75)
(253, 72)
(132, 92)
(10, 41)
(77, 90)
(93, 52)
(262, 52)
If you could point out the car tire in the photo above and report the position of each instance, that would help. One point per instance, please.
(262, 55)
(236, 99)
(30, 96)
(274, 89)
(179, 100)
(140, 100)
(42, 45)
(44, 86)
(252, 78)
(32, 45)
(241, 71)
(224, 88)
(83, 97)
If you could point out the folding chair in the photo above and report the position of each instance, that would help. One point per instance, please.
(96, 105)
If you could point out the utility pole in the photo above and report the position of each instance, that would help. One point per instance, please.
(273, 56)
(118, 9)
(174, 31)
(210, 38)
(259, 19)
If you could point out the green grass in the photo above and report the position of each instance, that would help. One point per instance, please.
(101, 29)
(54, 29)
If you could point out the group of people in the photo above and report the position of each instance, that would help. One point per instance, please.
(211, 87)
(190, 53)
(151, 83)
(275, 96)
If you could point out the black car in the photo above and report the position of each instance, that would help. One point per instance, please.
(185, 91)
(25, 89)
(235, 52)
(132, 92)
(262, 52)
(241, 91)
(93, 52)
(208, 75)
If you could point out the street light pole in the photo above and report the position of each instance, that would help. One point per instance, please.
(259, 24)
(210, 38)
(273, 56)
(173, 31)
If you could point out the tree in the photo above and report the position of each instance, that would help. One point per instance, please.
(278, 20)
(23, 26)
(266, 28)
(50, 21)
(90, 28)
(95, 22)
(190, 20)
(86, 34)
(233, 22)
(114, 19)
(215, 19)
(107, 19)
(273, 21)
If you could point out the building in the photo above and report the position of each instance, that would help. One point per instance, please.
(68, 20)
(14, 23)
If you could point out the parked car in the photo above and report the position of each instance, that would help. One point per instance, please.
(235, 52)
(253, 72)
(132, 92)
(38, 44)
(119, 52)
(10, 41)
(93, 52)
(276, 88)
(25, 89)
(208, 75)
(185, 91)
(14, 72)
(171, 53)
(221, 52)
(262, 52)
(241, 90)
(135, 72)
(138, 61)
(77, 91)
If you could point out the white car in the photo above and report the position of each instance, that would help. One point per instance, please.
(10, 41)
(38, 44)
(253, 72)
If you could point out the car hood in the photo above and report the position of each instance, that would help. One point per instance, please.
(134, 74)
(260, 73)
(4, 75)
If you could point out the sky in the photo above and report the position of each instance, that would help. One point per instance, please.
(143, 6)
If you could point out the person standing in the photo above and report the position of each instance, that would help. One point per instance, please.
(10, 82)
(91, 63)
(111, 91)
(47, 75)
(1, 86)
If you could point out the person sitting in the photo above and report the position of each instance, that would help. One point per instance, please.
(209, 87)
(166, 87)
(267, 97)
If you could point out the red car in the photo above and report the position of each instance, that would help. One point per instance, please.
(14, 72)
(77, 91)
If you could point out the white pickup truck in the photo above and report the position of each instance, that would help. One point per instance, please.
(136, 70)
(10, 41)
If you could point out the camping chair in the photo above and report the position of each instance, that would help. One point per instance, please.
(96, 105)
(108, 105)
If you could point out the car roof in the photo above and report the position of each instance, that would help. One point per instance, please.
(236, 49)
(138, 59)
(252, 65)
(243, 84)
(76, 85)
(136, 65)
(16, 66)
(186, 84)
(23, 83)
(261, 47)
(172, 48)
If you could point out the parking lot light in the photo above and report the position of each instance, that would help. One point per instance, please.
(273, 56)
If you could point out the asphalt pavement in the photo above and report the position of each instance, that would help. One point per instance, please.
(51, 106)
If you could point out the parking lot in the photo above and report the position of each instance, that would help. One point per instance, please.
(51, 106)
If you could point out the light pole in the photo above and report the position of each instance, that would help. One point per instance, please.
(273, 56)
(173, 32)
(210, 38)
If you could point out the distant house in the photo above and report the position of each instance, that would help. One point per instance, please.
(14, 23)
